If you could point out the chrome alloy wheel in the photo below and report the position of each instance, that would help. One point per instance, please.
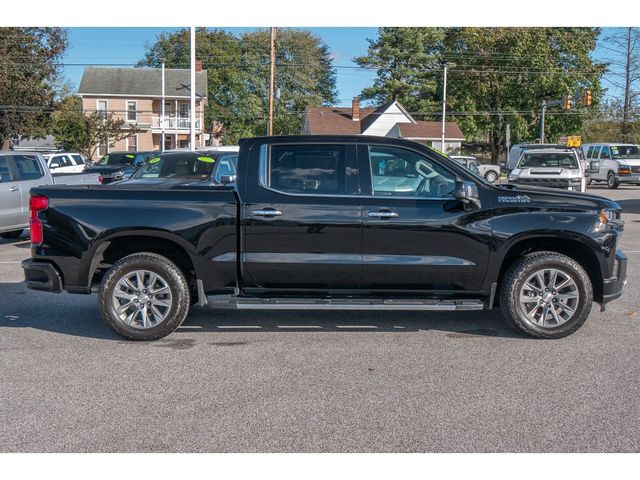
(549, 297)
(141, 299)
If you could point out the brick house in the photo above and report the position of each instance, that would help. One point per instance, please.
(390, 120)
(135, 94)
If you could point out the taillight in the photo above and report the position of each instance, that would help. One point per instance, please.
(37, 203)
(100, 179)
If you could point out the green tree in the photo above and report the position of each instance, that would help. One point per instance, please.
(29, 72)
(77, 131)
(500, 76)
(405, 59)
(238, 76)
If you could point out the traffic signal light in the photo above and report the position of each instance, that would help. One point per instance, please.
(587, 99)
(567, 102)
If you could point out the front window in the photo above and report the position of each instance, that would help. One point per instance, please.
(117, 159)
(132, 111)
(625, 151)
(28, 167)
(308, 169)
(541, 160)
(175, 165)
(399, 172)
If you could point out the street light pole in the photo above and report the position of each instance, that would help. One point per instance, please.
(444, 104)
(162, 113)
(272, 79)
(193, 89)
(542, 113)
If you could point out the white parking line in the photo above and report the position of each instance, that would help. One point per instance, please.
(10, 262)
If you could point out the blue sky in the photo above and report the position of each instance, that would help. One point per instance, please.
(91, 46)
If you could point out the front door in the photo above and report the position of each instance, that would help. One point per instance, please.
(416, 236)
(302, 222)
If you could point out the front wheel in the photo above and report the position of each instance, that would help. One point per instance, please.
(144, 296)
(612, 181)
(546, 295)
(491, 176)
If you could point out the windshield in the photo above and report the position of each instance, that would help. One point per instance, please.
(190, 166)
(625, 151)
(116, 159)
(541, 160)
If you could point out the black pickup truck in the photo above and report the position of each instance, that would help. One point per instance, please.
(329, 223)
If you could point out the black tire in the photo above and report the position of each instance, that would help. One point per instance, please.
(12, 234)
(612, 181)
(518, 273)
(491, 176)
(175, 280)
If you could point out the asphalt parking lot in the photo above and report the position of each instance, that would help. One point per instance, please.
(314, 381)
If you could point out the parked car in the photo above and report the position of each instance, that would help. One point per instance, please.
(330, 223)
(614, 163)
(116, 166)
(488, 171)
(177, 166)
(517, 150)
(65, 162)
(550, 167)
(19, 172)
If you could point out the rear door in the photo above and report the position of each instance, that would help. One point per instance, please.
(30, 174)
(10, 202)
(416, 236)
(302, 221)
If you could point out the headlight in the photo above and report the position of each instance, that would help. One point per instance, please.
(512, 178)
(118, 174)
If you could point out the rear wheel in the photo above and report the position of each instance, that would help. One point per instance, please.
(546, 295)
(612, 181)
(144, 296)
(491, 176)
(12, 234)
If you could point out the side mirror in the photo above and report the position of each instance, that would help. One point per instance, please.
(53, 165)
(224, 179)
(467, 192)
(594, 166)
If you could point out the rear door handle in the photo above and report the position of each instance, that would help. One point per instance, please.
(383, 214)
(266, 212)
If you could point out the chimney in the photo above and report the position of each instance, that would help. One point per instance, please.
(355, 109)
(198, 65)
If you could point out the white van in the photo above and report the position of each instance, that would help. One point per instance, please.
(614, 163)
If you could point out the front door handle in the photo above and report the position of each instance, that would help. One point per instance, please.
(383, 214)
(266, 212)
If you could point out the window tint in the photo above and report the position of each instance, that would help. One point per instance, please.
(28, 167)
(400, 172)
(174, 165)
(226, 166)
(590, 152)
(310, 169)
(5, 173)
(596, 152)
(540, 160)
(605, 153)
(78, 159)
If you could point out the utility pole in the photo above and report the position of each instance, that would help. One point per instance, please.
(542, 113)
(192, 140)
(507, 139)
(444, 104)
(162, 111)
(272, 79)
(627, 85)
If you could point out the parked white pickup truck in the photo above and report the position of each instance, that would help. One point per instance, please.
(550, 167)
(19, 172)
(614, 163)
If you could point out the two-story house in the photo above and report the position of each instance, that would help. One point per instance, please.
(135, 95)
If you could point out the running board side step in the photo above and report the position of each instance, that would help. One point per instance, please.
(259, 303)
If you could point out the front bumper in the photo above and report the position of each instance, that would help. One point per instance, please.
(614, 287)
(42, 276)
(633, 178)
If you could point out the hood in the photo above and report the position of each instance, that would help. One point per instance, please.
(554, 197)
(632, 162)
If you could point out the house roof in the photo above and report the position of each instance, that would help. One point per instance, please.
(140, 82)
(338, 121)
(430, 130)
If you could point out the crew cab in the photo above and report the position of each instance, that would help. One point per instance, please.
(330, 223)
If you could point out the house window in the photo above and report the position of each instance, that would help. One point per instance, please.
(183, 110)
(103, 148)
(132, 143)
(168, 142)
(132, 111)
(102, 106)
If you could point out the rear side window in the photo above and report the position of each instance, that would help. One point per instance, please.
(78, 159)
(307, 169)
(28, 167)
(5, 172)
